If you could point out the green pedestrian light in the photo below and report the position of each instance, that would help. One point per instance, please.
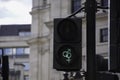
(67, 44)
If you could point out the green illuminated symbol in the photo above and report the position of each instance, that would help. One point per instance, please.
(67, 54)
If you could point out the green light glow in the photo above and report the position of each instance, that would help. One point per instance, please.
(67, 54)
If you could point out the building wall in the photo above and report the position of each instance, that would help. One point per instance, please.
(10, 39)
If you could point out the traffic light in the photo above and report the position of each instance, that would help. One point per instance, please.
(67, 44)
(5, 68)
(114, 36)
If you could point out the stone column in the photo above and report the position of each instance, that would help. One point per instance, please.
(39, 42)
(38, 59)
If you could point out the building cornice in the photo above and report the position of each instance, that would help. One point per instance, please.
(49, 24)
(101, 15)
(38, 40)
(38, 9)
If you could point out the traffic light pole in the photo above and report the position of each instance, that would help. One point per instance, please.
(5, 67)
(91, 39)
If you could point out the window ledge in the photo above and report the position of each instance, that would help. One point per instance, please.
(102, 43)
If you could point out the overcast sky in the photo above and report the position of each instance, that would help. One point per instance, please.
(15, 11)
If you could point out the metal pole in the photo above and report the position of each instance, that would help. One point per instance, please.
(91, 39)
(5, 67)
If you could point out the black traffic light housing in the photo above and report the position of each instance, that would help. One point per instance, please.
(67, 44)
